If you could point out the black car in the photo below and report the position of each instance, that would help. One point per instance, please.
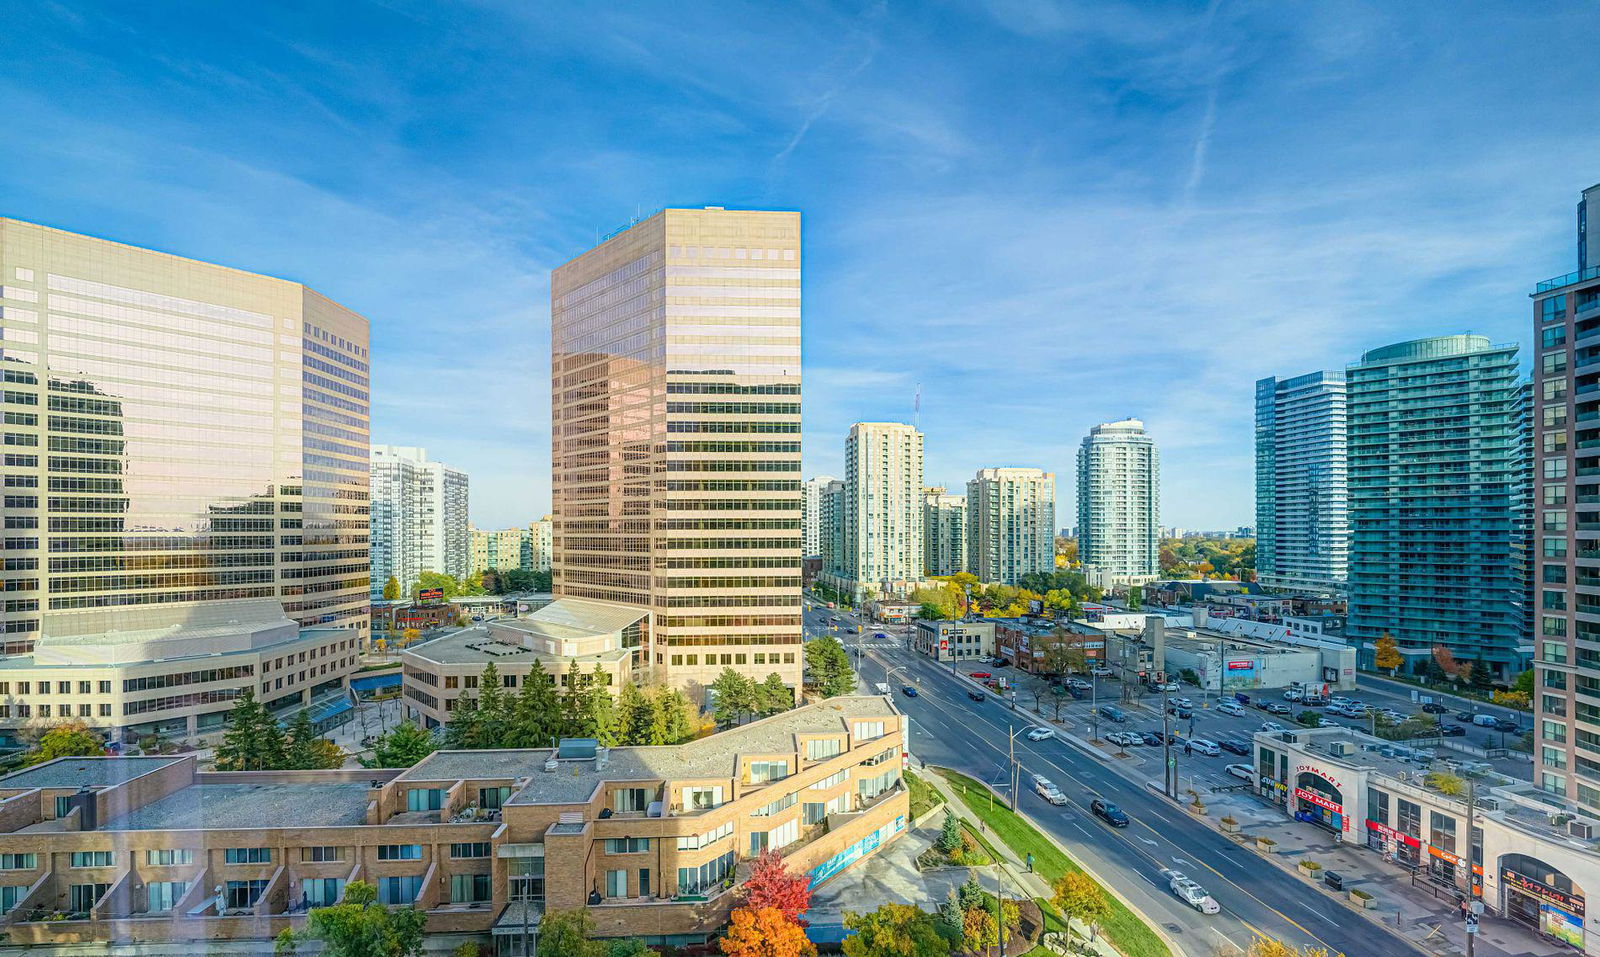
(976, 695)
(1234, 745)
(1434, 707)
(1108, 812)
(1465, 717)
(1151, 738)
(1452, 730)
(1507, 726)
(1179, 712)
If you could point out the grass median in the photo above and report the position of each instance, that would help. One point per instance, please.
(1126, 930)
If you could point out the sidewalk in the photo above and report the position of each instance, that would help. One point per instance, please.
(1016, 870)
(1431, 923)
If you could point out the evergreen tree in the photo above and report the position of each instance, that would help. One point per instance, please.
(829, 665)
(598, 717)
(253, 741)
(461, 728)
(493, 709)
(950, 913)
(536, 712)
(635, 716)
(734, 696)
(773, 696)
(1482, 679)
(300, 745)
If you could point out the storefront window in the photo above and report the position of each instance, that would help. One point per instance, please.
(1543, 898)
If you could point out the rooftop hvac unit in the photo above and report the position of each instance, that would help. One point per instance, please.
(1340, 749)
(1581, 829)
(1489, 804)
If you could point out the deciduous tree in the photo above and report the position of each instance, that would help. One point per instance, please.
(764, 932)
(733, 697)
(1077, 895)
(358, 926)
(391, 589)
(978, 929)
(771, 885)
(71, 740)
(400, 747)
(1386, 653)
(893, 930)
(568, 933)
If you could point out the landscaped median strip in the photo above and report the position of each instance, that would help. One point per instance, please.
(1126, 930)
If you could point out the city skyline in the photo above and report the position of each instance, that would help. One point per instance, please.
(1153, 169)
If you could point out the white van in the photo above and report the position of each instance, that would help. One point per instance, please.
(1231, 707)
(881, 688)
(1208, 748)
(1484, 720)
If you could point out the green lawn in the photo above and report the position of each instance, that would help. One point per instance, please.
(1126, 930)
(924, 797)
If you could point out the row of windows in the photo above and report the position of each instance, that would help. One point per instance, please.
(770, 447)
(730, 388)
(155, 682)
(734, 408)
(694, 465)
(732, 658)
(757, 427)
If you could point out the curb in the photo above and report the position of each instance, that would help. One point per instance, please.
(1156, 928)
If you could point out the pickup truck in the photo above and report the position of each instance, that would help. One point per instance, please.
(1190, 892)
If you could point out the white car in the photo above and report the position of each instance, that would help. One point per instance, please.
(1271, 726)
(1208, 748)
(1169, 686)
(1101, 671)
(1040, 734)
(1125, 738)
(1182, 702)
(1231, 707)
(1190, 892)
(1241, 771)
(1042, 785)
(1054, 796)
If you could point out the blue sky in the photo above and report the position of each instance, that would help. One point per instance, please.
(1048, 214)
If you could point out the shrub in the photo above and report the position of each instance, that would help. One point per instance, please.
(1311, 865)
(1363, 895)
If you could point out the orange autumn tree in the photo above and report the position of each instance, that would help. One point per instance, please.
(764, 932)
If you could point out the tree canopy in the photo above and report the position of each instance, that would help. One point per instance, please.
(771, 885)
(540, 712)
(358, 926)
(764, 932)
(1233, 558)
(400, 747)
(70, 740)
(893, 930)
(828, 667)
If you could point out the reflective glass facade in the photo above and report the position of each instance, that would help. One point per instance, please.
(1119, 500)
(1302, 489)
(176, 433)
(676, 437)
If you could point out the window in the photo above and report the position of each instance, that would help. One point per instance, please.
(321, 855)
(526, 878)
(399, 852)
(83, 897)
(1555, 468)
(91, 858)
(702, 799)
(322, 891)
(399, 890)
(833, 780)
(616, 883)
(247, 855)
(1378, 805)
(627, 845)
(242, 894)
(181, 855)
(783, 803)
(696, 880)
(473, 849)
(1555, 548)
(629, 799)
(10, 895)
(424, 799)
(1409, 819)
(821, 749)
(780, 836)
(763, 772)
(867, 730)
(693, 842)
(493, 797)
(18, 862)
(469, 888)
(164, 895)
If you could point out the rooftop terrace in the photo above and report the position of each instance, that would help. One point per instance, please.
(224, 806)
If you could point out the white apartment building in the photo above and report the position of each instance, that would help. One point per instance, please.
(1011, 519)
(944, 521)
(1119, 491)
(883, 530)
(830, 526)
(419, 517)
(1302, 492)
(811, 509)
(540, 544)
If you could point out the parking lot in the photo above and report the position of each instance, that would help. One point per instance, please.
(1202, 717)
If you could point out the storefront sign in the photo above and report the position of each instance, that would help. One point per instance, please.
(1244, 664)
(1543, 891)
(1318, 800)
(1392, 834)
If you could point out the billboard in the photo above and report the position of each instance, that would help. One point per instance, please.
(430, 594)
(1242, 664)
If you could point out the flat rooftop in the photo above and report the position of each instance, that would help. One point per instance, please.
(476, 648)
(217, 806)
(77, 772)
(712, 757)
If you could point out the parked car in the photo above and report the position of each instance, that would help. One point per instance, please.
(1113, 714)
(1231, 707)
(1182, 714)
(1108, 812)
(1191, 892)
(1508, 726)
(1040, 734)
(980, 675)
(1465, 717)
(1393, 715)
(1169, 686)
(1271, 726)
(1203, 746)
(1235, 746)
(881, 688)
(908, 691)
(1241, 771)
(1434, 707)
(1293, 694)
(1151, 738)
(998, 662)
(1273, 707)
(1118, 738)
(1101, 671)
(1452, 730)
(1485, 720)
(977, 695)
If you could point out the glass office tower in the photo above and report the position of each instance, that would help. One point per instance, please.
(675, 399)
(1302, 495)
(176, 434)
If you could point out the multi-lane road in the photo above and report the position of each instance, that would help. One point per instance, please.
(949, 729)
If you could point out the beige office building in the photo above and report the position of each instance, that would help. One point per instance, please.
(675, 401)
(883, 551)
(500, 549)
(1011, 524)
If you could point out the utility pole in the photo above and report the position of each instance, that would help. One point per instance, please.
(1169, 784)
(1094, 702)
(1474, 901)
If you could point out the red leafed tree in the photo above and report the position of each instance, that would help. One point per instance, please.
(769, 885)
